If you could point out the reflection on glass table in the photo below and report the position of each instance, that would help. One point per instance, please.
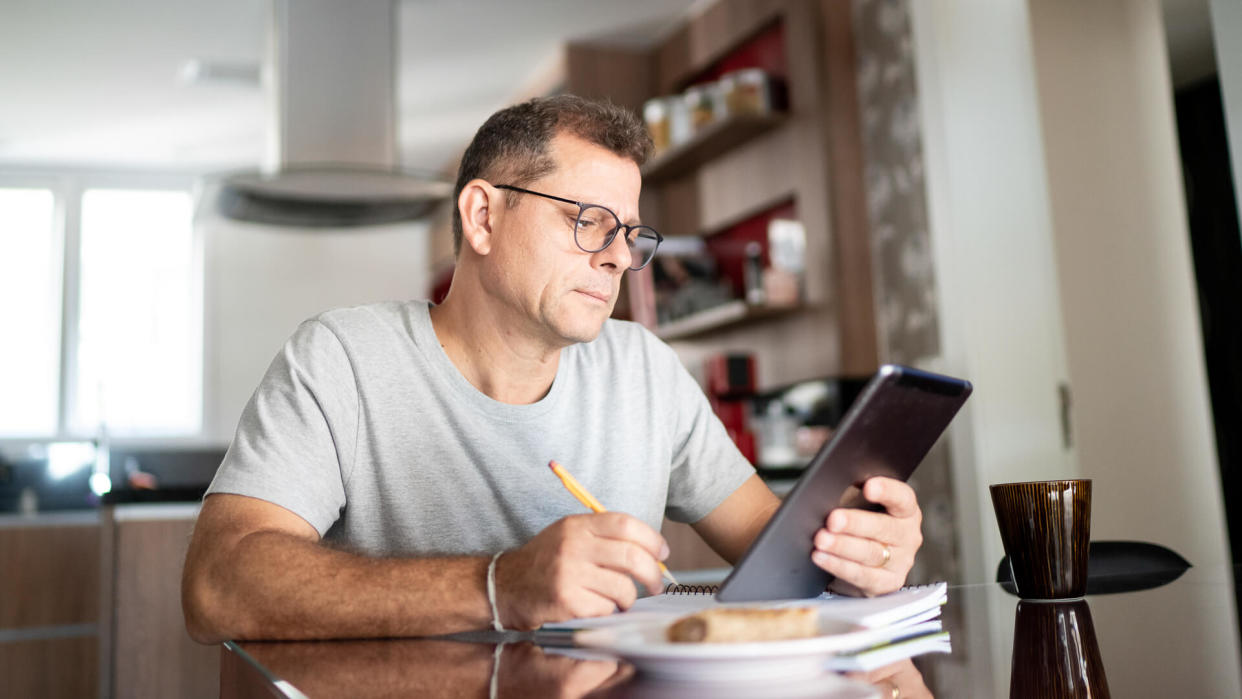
(1056, 653)
(1178, 639)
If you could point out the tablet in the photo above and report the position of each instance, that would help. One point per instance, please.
(886, 432)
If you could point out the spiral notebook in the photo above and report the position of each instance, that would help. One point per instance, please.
(907, 606)
(919, 639)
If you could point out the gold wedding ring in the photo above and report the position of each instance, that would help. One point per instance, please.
(888, 556)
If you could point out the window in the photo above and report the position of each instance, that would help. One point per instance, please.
(119, 271)
(30, 301)
(139, 357)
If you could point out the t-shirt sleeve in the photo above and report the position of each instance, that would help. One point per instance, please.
(707, 467)
(294, 445)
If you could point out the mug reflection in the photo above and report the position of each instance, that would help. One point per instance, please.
(1055, 653)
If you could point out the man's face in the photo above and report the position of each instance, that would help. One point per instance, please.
(563, 294)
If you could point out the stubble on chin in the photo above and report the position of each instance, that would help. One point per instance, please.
(583, 331)
(579, 327)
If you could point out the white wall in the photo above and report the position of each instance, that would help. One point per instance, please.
(1141, 415)
(1000, 309)
(261, 282)
(1062, 251)
(1227, 37)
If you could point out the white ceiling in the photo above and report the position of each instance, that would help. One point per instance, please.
(94, 83)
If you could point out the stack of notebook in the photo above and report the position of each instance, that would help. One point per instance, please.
(863, 633)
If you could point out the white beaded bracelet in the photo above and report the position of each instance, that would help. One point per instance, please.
(491, 591)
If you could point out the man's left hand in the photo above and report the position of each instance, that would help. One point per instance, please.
(871, 553)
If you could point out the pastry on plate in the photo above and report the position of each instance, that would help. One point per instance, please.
(744, 625)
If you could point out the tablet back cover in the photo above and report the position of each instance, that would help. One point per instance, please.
(887, 432)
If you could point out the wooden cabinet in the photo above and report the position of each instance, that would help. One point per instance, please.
(90, 605)
(49, 605)
(148, 652)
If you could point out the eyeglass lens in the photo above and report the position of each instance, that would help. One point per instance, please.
(596, 227)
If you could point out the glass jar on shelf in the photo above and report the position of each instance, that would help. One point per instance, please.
(656, 115)
(702, 105)
(747, 91)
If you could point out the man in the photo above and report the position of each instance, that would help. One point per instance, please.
(389, 477)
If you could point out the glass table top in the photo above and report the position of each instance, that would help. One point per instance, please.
(1177, 639)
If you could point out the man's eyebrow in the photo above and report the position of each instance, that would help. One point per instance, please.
(634, 221)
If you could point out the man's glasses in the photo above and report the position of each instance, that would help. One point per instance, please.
(596, 226)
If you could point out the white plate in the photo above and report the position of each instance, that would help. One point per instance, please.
(644, 645)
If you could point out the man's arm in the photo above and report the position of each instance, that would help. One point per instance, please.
(256, 570)
(736, 522)
(851, 544)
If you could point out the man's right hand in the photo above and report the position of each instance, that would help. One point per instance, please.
(580, 566)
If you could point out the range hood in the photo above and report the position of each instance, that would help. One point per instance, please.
(331, 156)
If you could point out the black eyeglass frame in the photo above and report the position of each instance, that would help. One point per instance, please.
(583, 206)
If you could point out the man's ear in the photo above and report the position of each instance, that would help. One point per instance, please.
(474, 204)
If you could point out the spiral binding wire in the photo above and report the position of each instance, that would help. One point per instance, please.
(672, 589)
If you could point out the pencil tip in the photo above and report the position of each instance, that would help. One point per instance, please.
(552, 464)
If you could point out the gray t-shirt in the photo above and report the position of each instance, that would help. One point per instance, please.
(364, 428)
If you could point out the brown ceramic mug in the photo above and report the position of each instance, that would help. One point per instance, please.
(1045, 527)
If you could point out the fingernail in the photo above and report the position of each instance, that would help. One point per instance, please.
(664, 551)
(828, 540)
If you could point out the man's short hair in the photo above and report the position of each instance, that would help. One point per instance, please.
(511, 147)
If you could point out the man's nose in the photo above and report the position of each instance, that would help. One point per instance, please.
(616, 253)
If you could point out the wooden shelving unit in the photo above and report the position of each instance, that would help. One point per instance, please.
(719, 318)
(808, 155)
(708, 144)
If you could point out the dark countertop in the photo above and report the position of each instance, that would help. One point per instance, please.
(176, 494)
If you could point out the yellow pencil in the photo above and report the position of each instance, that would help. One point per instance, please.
(575, 489)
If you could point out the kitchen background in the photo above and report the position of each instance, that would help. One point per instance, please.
(990, 190)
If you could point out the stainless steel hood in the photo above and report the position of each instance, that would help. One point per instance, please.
(331, 158)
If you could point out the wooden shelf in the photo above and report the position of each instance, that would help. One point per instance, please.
(718, 317)
(708, 145)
